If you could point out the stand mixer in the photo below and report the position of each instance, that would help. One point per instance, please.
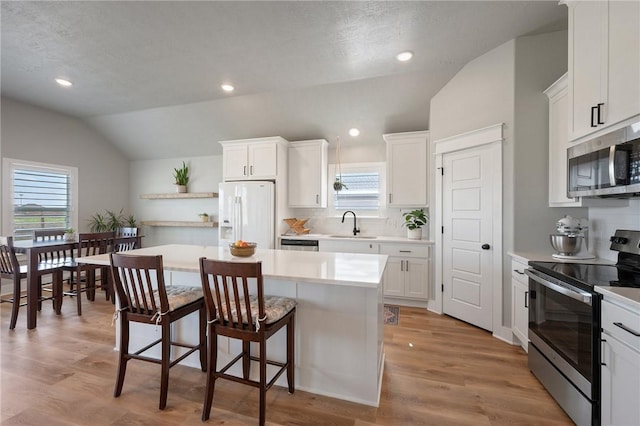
(571, 242)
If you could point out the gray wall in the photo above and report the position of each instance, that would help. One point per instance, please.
(506, 85)
(36, 134)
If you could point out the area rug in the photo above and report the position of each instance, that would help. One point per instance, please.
(391, 314)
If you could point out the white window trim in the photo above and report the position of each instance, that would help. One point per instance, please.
(379, 167)
(9, 165)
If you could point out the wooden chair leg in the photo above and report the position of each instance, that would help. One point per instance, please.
(246, 361)
(211, 373)
(124, 352)
(166, 361)
(290, 351)
(78, 295)
(39, 293)
(16, 303)
(57, 292)
(203, 338)
(263, 382)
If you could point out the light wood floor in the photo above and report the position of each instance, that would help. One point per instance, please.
(438, 371)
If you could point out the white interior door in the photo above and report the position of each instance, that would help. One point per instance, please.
(467, 240)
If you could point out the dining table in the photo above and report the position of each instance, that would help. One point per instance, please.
(32, 250)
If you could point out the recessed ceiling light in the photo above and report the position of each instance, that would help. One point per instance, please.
(63, 82)
(354, 132)
(404, 56)
(227, 87)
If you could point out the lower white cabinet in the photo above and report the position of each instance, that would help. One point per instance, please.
(407, 272)
(620, 364)
(520, 303)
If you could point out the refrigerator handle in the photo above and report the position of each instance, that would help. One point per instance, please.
(237, 219)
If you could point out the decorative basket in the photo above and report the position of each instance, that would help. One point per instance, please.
(247, 251)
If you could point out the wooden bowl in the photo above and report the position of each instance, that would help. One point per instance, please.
(242, 251)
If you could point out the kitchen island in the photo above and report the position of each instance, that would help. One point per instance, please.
(339, 327)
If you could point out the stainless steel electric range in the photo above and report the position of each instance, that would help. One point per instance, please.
(564, 324)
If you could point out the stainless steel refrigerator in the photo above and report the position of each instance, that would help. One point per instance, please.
(247, 212)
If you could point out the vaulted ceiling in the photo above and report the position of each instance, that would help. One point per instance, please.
(147, 74)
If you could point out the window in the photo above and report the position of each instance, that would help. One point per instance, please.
(38, 196)
(365, 183)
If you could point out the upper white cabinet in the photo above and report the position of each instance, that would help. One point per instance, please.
(558, 144)
(308, 174)
(253, 159)
(407, 169)
(604, 64)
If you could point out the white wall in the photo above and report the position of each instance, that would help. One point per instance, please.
(156, 176)
(36, 134)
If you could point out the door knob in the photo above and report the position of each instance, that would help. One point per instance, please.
(486, 246)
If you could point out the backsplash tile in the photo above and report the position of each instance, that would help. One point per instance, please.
(603, 222)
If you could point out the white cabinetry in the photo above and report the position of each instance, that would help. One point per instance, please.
(407, 169)
(343, 245)
(253, 159)
(558, 144)
(520, 303)
(604, 64)
(620, 364)
(308, 174)
(407, 272)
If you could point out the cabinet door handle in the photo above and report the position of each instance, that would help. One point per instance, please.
(405, 251)
(244, 171)
(317, 199)
(251, 170)
(406, 266)
(600, 105)
(518, 272)
(389, 198)
(602, 342)
(593, 113)
(526, 299)
(402, 266)
(627, 329)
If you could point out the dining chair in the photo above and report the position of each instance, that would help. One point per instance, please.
(144, 298)
(56, 257)
(237, 308)
(11, 269)
(89, 244)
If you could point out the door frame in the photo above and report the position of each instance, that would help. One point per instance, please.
(493, 137)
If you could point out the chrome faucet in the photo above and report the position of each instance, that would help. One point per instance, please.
(355, 228)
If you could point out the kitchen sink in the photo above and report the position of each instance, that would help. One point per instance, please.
(360, 237)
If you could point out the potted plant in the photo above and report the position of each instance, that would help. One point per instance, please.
(70, 234)
(414, 220)
(204, 217)
(181, 176)
(338, 185)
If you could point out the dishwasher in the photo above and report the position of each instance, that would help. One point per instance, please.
(298, 244)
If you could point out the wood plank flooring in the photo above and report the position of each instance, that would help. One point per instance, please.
(438, 371)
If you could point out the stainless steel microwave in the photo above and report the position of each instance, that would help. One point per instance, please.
(607, 166)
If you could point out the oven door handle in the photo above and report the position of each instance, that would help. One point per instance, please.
(562, 289)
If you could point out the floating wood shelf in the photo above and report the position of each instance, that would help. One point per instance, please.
(180, 223)
(180, 195)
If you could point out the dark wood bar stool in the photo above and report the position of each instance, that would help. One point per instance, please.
(237, 308)
(11, 269)
(144, 298)
(89, 244)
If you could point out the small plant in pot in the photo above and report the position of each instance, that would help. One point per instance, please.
(70, 234)
(181, 176)
(204, 217)
(414, 221)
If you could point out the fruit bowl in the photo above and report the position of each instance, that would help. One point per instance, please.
(242, 251)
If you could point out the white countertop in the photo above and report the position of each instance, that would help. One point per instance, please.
(525, 257)
(378, 239)
(350, 269)
(627, 295)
